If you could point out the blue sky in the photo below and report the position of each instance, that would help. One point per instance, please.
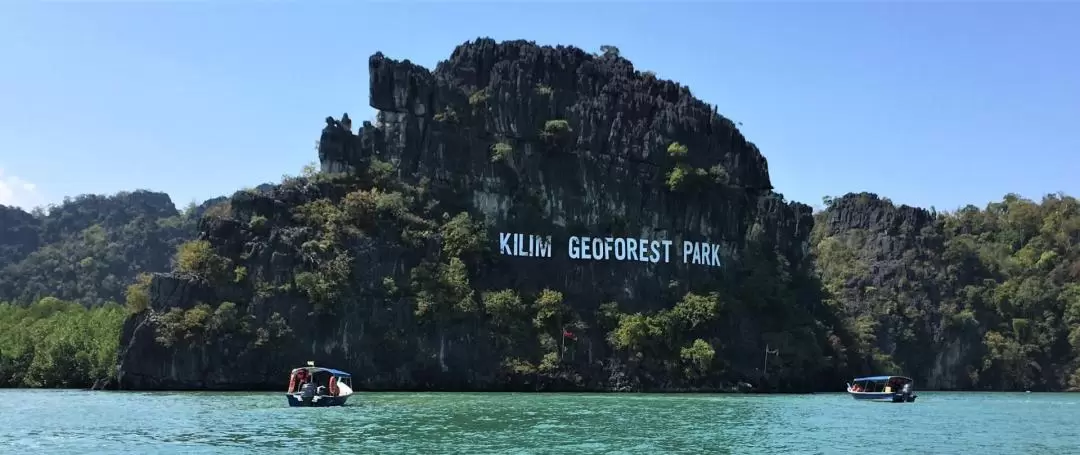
(930, 104)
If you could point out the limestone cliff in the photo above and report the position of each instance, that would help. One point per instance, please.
(976, 299)
(390, 264)
(890, 283)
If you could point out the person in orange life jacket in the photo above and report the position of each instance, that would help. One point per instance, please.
(298, 380)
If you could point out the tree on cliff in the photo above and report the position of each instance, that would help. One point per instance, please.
(979, 298)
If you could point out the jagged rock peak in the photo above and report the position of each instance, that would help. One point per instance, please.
(511, 89)
(869, 211)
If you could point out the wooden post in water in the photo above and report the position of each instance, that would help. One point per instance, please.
(765, 369)
(765, 364)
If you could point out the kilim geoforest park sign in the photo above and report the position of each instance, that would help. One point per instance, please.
(610, 249)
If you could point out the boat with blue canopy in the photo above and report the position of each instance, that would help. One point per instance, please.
(895, 389)
(313, 386)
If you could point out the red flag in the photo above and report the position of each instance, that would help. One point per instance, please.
(568, 334)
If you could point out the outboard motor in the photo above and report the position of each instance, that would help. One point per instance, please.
(907, 393)
(307, 393)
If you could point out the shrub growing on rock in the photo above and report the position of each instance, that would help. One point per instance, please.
(197, 257)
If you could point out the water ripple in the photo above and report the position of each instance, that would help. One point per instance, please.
(64, 422)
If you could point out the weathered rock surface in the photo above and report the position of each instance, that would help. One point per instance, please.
(899, 251)
(977, 299)
(603, 176)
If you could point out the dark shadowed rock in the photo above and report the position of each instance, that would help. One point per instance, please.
(583, 151)
(898, 279)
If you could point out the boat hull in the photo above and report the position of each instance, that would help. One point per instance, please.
(887, 397)
(319, 401)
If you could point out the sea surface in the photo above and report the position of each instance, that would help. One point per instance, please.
(83, 422)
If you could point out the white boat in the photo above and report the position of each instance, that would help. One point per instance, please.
(895, 389)
(306, 389)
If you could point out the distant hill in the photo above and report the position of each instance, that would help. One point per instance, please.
(91, 247)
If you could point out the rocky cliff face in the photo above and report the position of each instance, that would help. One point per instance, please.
(605, 177)
(391, 264)
(888, 281)
(976, 299)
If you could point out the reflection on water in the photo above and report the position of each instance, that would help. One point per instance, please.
(147, 423)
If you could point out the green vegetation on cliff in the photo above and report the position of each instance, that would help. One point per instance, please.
(984, 299)
(972, 299)
(389, 266)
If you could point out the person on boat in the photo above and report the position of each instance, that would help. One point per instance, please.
(299, 378)
(333, 386)
(292, 382)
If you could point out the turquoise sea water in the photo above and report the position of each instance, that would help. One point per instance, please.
(80, 422)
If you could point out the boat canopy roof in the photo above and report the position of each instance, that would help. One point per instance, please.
(331, 371)
(881, 378)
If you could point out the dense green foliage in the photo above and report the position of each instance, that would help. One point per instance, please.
(62, 269)
(980, 298)
(90, 248)
(52, 343)
(203, 325)
(974, 299)
(535, 334)
(667, 337)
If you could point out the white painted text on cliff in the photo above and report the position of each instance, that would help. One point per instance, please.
(611, 248)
